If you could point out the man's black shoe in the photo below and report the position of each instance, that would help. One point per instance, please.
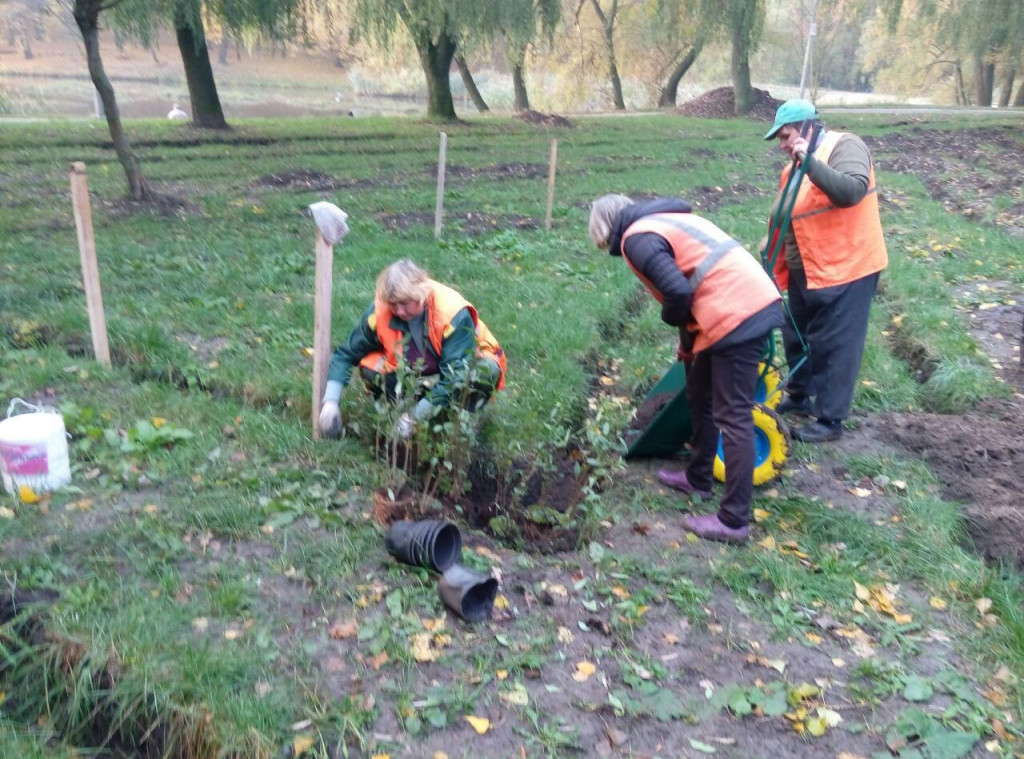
(791, 405)
(818, 432)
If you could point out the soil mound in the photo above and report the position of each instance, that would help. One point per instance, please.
(545, 119)
(978, 459)
(721, 104)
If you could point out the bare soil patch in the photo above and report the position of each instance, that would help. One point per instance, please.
(159, 204)
(966, 170)
(545, 119)
(995, 313)
(979, 460)
(515, 170)
(720, 103)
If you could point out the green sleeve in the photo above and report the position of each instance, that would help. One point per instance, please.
(361, 341)
(457, 353)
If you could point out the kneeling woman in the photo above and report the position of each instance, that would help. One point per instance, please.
(725, 306)
(435, 330)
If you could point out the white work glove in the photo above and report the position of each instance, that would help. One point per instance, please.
(405, 427)
(330, 419)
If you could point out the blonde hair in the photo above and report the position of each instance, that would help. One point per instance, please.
(603, 213)
(402, 281)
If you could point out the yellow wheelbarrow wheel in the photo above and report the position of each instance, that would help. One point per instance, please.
(771, 446)
(767, 392)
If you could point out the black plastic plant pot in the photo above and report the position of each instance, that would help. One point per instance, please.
(469, 594)
(431, 543)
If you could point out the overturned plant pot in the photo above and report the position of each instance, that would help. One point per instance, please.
(431, 543)
(469, 594)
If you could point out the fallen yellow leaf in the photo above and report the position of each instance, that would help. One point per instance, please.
(480, 724)
(381, 756)
(813, 638)
(501, 674)
(983, 605)
(159, 421)
(761, 514)
(500, 602)
(584, 670)
(768, 543)
(27, 494)
(440, 755)
(937, 603)
(620, 592)
(301, 744)
(421, 650)
(565, 635)
(6, 513)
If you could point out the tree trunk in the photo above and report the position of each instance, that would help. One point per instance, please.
(86, 13)
(1006, 86)
(961, 88)
(743, 91)
(436, 60)
(983, 76)
(202, 89)
(608, 24)
(522, 100)
(471, 88)
(1018, 99)
(667, 98)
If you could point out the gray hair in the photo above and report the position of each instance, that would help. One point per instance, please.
(603, 213)
(402, 281)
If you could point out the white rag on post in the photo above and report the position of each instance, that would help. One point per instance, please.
(330, 220)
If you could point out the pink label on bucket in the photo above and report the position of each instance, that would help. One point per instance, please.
(25, 459)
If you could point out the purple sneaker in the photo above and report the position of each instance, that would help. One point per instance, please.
(679, 481)
(710, 527)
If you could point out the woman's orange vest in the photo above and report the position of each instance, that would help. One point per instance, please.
(837, 245)
(728, 284)
(442, 304)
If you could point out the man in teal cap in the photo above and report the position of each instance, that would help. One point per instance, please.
(833, 252)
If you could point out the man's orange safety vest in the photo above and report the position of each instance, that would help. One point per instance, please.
(728, 284)
(837, 245)
(442, 304)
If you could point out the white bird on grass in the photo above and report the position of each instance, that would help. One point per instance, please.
(177, 113)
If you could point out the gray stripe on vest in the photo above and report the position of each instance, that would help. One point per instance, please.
(717, 248)
(829, 208)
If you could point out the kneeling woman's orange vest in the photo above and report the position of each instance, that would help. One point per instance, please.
(729, 286)
(442, 304)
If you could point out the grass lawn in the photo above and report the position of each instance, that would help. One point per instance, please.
(213, 584)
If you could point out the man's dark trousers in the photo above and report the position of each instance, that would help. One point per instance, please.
(834, 324)
(720, 387)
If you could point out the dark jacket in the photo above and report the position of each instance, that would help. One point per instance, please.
(652, 256)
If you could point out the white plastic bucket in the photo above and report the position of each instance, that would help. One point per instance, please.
(34, 449)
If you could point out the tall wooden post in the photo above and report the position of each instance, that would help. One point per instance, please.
(90, 267)
(321, 324)
(439, 207)
(552, 162)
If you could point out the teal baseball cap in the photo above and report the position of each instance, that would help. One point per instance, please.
(792, 112)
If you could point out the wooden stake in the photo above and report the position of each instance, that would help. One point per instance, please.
(321, 324)
(551, 183)
(90, 267)
(439, 208)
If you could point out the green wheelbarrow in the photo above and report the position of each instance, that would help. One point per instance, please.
(669, 427)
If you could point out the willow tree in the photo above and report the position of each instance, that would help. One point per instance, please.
(607, 16)
(142, 19)
(519, 23)
(87, 17)
(744, 21)
(437, 27)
